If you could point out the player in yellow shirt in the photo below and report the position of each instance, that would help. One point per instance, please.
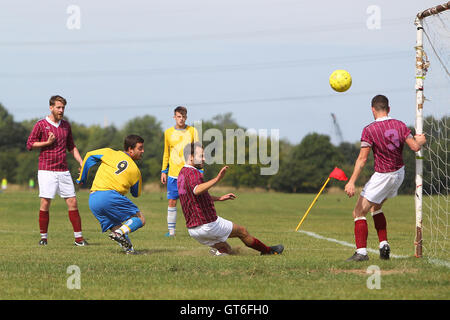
(175, 139)
(117, 174)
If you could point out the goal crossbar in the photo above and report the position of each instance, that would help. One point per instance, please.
(434, 10)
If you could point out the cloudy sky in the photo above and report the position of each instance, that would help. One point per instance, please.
(265, 61)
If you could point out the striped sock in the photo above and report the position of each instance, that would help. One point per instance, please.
(130, 225)
(171, 219)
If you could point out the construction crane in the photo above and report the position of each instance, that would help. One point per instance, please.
(337, 129)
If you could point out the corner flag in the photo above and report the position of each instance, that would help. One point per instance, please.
(336, 174)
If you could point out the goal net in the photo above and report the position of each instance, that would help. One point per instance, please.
(433, 119)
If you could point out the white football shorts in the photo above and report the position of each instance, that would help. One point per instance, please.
(211, 233)
(382, 186)
(52, 182)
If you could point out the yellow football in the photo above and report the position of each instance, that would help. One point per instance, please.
(340, 80)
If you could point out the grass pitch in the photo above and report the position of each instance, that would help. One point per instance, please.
(181, 268)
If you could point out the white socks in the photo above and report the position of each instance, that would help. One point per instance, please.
(171, 219)
(362, 251)
(382, 243)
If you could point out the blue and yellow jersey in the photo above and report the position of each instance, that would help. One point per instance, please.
(174, 142)
(117, 172)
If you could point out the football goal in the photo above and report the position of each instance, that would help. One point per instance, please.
(433, 119)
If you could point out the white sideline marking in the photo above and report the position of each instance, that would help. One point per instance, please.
(344, 243)
(439, 262)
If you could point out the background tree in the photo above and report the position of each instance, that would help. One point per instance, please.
(308, 165)
(12, 134)
(13, 138)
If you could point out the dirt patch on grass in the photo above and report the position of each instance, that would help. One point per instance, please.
(364, 271)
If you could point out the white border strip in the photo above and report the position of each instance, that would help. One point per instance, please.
(439, 262)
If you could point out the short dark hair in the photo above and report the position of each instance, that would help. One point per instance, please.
(189, 149)
(180, 109)
(380, 103)
(131, 141)
(53, 99)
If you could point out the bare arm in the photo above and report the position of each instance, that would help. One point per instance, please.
(415, 143)
(359, 165)
(76, 155)
(228, 196)
(203, 187)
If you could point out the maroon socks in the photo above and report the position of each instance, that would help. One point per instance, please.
(361, 232)
(259, 246)
(75, 219)
(43, 223)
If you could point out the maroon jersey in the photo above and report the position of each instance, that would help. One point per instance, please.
(386, 137)
(53, 157)
(198, 209)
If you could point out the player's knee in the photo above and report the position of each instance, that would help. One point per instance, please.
(141, 217)
(359, 211)
(243, 232)
(45, 204)
(358, 214)
(72, 203)
(376, 208)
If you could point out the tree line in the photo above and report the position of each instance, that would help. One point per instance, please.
(303, 167)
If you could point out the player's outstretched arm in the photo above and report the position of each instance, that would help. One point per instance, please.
(228, 196)
(90, 159)
(203, 187)
(415, 143)
(359, 165)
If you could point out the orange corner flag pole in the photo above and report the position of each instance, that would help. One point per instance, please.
(312, 204)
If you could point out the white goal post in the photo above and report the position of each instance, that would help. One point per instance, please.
(440, 61)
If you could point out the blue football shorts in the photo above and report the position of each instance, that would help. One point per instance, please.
(111, 208)
(172, 188)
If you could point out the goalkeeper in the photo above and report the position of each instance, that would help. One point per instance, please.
(385, 137)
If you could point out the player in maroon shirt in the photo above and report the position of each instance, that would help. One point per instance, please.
(198, 208)
(53, 136)
(386, 138)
